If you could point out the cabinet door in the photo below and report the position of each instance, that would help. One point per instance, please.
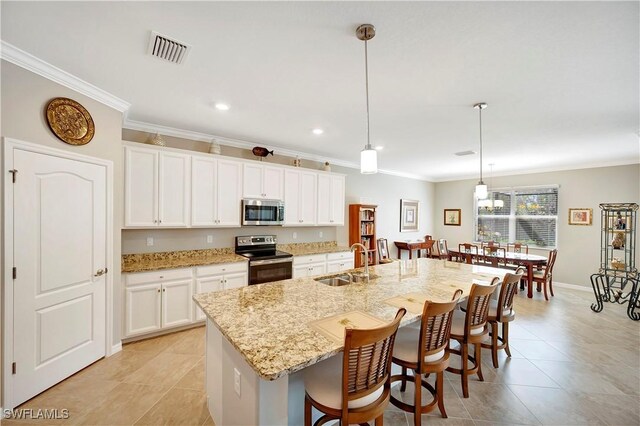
(308, 198)
(140, 187)
(317, 269)
(207, 285)
(335, 266)
(229, 193)
(300, 271)
(292, 198)
(324, 199)
(236, 280)
(142, 310)
(174, 179)
(273, 183)
(177, 305)
(337, 200)
(203, 191)
(252, 181)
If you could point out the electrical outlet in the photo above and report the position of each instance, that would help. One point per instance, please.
(209, 239)
(236, 381)
(295, 235)
(149, 241)
(320, 234)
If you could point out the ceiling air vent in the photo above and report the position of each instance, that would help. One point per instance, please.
(463, 153)
(165, 48)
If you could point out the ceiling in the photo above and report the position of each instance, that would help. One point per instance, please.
(561, 78)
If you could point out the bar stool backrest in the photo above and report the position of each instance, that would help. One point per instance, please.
(435, 326)
(508, 289)
(478, 305)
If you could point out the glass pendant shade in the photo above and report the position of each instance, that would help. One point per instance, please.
(481, 191)
(368, 161)
(498, 204)
(486, 203)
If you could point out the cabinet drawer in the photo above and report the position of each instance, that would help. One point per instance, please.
(298, 260)
(135, 278)
(340, 256)
(223, 268)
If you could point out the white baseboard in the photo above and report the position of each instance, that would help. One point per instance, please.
(115, 349)
(572, 286)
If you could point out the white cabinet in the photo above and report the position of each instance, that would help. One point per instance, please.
(300, 197)
(219, 277)
(338, 262)
(157, 300)
(261, 181)
(216, 192)
(331, 199)
(156, 188)
(318, 264)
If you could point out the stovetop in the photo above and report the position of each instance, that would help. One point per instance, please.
(259, 247)
(266, 254)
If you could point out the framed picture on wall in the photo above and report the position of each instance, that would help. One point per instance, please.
(452, 217)
(580, 216)
(409, 215)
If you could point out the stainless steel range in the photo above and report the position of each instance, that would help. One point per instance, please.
(266, 264)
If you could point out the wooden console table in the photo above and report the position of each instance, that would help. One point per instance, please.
(417, 245)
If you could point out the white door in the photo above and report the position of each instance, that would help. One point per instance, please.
(292, 198)
(308, 198)
(337, 200)
(207, 285)
(60, 226)
(273, 183)
(177, 303)
(173, 183)
(203, 192)
(324, 199)
(236, 280)
(141, 187)
(252, 181)
(229, 193)
(143, 314)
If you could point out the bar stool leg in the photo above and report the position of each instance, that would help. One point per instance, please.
(464, 355)
(440, 391)
(477, 353)
(505, 338)
(417, 400)
(494, 344)
(307, 411)
(403, 385)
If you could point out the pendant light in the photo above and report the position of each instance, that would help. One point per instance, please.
(481, 188)
(368, 156)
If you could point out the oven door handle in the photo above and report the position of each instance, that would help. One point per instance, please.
(270, 261)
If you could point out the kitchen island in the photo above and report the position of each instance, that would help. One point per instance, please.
(260, 337)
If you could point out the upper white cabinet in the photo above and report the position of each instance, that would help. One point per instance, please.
(216, 192)
(261, 181)
(331, 195)
(300, 197)
(156, 188)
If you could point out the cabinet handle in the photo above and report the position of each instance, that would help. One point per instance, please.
(161, 276)
(160, 221)
(164, 290)
(158, 290)
(155, 221)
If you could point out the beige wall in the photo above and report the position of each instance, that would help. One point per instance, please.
(578, 246)
(24, 97)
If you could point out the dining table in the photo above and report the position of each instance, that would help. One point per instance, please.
(413, 245)
(529, 261)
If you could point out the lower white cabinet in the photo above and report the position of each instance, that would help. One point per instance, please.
(311, 265)
(219, 277)
(177, 307)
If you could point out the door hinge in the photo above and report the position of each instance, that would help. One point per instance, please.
(13, 368)
(15, 272)
(13, 172)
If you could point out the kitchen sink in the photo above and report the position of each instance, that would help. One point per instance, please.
(344, 279)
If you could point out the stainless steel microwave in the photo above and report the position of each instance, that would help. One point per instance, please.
(262, 212)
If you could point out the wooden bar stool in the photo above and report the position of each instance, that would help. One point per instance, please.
(353, 387)
(423, 350)
(501, 312)
(470, 329)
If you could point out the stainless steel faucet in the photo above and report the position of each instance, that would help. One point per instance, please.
(366, 258)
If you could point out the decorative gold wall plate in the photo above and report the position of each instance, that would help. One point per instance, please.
(70, 121)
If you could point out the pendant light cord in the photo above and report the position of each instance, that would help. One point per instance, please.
(366, 77)
(480, 144)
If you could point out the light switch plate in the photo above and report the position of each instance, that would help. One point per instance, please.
(320, 234)
(149, 241)
(295, 235)
(209, 239)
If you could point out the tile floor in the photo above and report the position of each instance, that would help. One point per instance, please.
(569, 366)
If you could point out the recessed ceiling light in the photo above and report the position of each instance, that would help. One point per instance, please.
(222, 107)
(463, 153)
(379, 148)
(317, 131)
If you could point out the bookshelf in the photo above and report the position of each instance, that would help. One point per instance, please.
(362, 229)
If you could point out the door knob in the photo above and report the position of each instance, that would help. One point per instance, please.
(100, 272)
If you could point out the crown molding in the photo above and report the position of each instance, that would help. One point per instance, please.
(19, 57)
(244, 144)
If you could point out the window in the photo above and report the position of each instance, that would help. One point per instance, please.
(526, 215)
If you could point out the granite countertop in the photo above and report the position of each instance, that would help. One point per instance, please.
(307, 249)
(269, 323)
(178, 259)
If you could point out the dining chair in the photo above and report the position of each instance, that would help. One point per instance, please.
(470, 328)
(354, 386)
(423, 350)
(494, 256)
(427, 252)
(544, 276)
(440, 249)
(490, 244)
(518, 248)
(467, 251)
(383, 251)
(501, 312)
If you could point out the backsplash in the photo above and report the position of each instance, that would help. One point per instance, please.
(135, 240)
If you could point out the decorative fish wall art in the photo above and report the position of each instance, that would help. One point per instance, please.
(259, 151)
